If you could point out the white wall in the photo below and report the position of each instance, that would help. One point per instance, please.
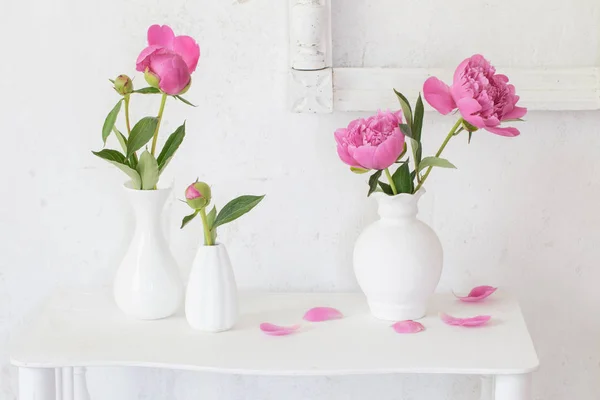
(520, 213)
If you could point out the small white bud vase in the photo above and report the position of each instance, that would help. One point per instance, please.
(398, 259)
(148, 284)
(211, 300)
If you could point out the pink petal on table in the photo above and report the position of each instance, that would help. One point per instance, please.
(276, 330)
(477, 294)
(319, 314)
(408, 327)
(473, 321)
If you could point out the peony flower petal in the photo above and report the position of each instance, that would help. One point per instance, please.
(516, 112)
(276, 330)
(507, 132)
(364, 155)
(477, 294)
(473, 321)
(143, 60)
(160, 36)
(408, 327)
(459, 72)
(320, 314)
(388, 152)
(469, 106)
(437, 94)
(188, 49)
(172, 72)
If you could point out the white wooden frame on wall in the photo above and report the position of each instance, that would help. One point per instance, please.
(317, 87)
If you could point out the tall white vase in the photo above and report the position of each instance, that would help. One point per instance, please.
(148, 283)
(398, 259)
(211, 301)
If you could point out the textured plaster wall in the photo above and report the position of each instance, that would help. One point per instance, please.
(520, 213)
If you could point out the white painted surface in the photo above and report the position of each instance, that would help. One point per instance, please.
(398, 259)
(211, 298)
(519, 213)
(82, 329)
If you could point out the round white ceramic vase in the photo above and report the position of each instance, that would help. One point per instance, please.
(148, 283)
(398, 259)
(211, 300)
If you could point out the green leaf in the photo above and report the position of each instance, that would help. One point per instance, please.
(236, 208)
(402, 180)
(469, 140)
(148, 170)
(405, 129)
(110, 120)
(403, 152)
(147, 90)
(118, 160)
(405, 105)
(184, 101)
(514, 120)
(110, 155)
(141, 133)
(112, 81)
(387, 189)
(373, 182)
(417, 124)
(358, 170)
(417, 127)
(121, 138)
(211, 216)
(435, 162)
(210, 220)
(416, 149)
(186, 220)
(170, 147)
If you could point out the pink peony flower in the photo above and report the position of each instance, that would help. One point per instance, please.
(171, 59)
(484, 98)
(372, 143)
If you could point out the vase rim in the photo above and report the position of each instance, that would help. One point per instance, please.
(401, 196)
(159, 189)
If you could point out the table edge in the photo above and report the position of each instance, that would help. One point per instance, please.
(268, 372)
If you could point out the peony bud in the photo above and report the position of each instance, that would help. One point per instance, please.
(198, 195)
(123, 85)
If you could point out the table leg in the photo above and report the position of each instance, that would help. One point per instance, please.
(487, 387)
(80, 384)
(71, 384)
(513, 387)
(37, 384)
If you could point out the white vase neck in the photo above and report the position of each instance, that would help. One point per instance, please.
(399, 207)
(147, 205)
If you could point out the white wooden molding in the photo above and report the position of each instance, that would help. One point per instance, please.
(311, 91)
(311, 83)
(370, 89)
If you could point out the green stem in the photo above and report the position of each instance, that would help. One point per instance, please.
(128, 124)
(391, 180)
(207, 235)
(163, 101)
(439, 152)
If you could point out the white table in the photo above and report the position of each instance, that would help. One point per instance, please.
(77, 330)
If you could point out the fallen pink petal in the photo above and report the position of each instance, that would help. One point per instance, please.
(408, 327)
(472, 321)
(320, 314)
(276, 330)
(477, 294)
